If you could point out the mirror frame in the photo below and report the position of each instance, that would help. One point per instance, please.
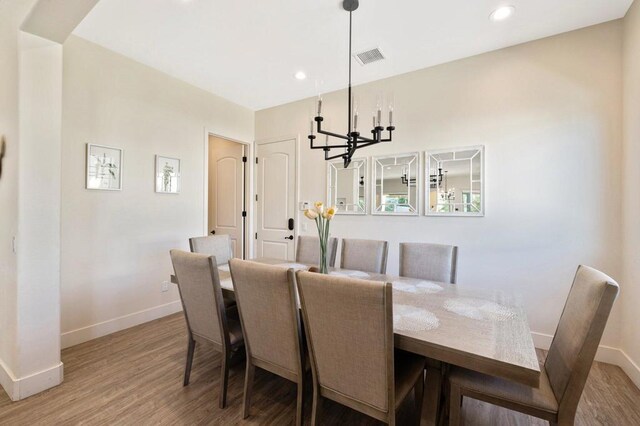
(340, 163)
(427, 185)
(374, 210)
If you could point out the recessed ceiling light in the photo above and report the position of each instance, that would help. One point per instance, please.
(502, 13)
(300, 75)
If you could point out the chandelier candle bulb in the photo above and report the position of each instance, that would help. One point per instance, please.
(379, 116)
(311, 128)
(319, 106)
(355, 122)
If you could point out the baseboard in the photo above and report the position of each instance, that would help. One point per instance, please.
(8, 380)
(84, 334)
(630, 368)
(32, 384)
(605, 354)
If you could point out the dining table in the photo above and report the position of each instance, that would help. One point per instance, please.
(480, 329)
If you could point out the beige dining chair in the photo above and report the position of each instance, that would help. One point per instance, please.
(204, 311)
(364, 255)
(308, 250)
(566, 367)
(431, 262)
(267, 303)
(213, 245)
(349, 328)
(218, 246)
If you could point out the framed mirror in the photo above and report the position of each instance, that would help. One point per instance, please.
(455, 182)
(346, 188)
(395, 184)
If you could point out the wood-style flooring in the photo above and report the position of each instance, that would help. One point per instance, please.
(134, 377)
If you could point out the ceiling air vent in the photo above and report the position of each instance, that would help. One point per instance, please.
(369, 56)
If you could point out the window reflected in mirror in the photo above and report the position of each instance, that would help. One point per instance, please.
(395, 180)
(455, 182)
(346, 188)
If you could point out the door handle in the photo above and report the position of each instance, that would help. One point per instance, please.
(291, 224)
(290, 237)
(213, 232)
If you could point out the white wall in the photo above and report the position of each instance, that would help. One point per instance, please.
(38, 242)
(31, 75)
(630, 207)
(549, 113)
(115, 245)
(11, 16)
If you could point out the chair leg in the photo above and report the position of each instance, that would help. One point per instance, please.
(419, 395)
(300, 402)
(187, 369)
(455, 406)
(248, 388)
(317, 407)
(224, 379)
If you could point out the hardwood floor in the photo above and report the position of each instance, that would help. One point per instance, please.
(135, 377)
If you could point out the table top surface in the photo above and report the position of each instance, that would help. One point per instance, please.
(480, 329)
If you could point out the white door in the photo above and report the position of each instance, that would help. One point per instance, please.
(276, 188)
(226, 191)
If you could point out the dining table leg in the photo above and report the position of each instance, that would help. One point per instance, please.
(432, 395)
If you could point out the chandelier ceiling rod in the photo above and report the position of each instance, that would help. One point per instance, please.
(349, 90)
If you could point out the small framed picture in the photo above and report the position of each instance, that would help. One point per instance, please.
(167, 175)
(104, 167)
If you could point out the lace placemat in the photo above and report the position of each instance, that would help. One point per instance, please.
(355, 274)
(296, 266)
(411, 318)
(479, 309)
(421, 287)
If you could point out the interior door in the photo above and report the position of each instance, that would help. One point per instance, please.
(276, 189)
(226, 191)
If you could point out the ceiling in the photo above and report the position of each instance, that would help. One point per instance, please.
(249, 51)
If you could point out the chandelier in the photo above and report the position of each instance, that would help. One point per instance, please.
(407, 181)
(436, 180)
(352, 140)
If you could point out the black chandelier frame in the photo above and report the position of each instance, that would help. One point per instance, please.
(353, 139)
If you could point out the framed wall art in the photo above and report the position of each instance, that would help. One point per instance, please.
(104, 168)
(167, 175)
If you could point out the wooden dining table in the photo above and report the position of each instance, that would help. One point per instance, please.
(483, 330)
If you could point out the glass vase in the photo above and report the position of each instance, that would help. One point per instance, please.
(322, 264)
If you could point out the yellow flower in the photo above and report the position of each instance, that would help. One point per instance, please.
(319, 206)
(330, 213)
(311, 214)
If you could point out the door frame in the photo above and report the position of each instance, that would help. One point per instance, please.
(248, 227)
(296, 191)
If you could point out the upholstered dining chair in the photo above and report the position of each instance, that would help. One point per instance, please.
(308, 250)
(364, 255)
(218, 246)
(213, 245)
(349, 328)
(431, 262)
(267, 303)
(207, 321)
(566, 367)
